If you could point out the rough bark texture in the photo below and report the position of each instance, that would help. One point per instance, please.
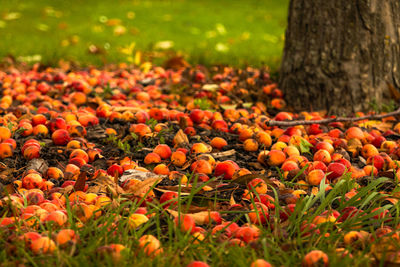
(341, 54)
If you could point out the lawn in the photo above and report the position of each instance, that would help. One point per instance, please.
(95, 162)
(91, 32)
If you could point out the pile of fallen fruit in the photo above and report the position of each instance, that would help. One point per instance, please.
(196, 148)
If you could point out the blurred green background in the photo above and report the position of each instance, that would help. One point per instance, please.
(90, 32)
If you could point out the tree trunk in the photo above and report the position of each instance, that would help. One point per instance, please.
(340, 55)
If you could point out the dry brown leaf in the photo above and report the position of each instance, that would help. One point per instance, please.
(389, 174)
(383, 126)
(386, 250)
(185, 191)
(94, 49)
(261, 106)
(276, 183)
(67, 190)
(379, 125)
(80, 182)
(6, 176)
(6, 190)
(27, 116)
(105, 184)
(142, 187)
(181, 139)
(64, 65)
(96, 189)
(232, 200)
(114, 190)
(286, 191)
(137, 175)
(187, 164)
(256, 165)
(38, 164)
(113, 22)
(176, 63)
(224, 154)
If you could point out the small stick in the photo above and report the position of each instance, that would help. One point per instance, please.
(122, 109)
(223, 154)
(330, 120)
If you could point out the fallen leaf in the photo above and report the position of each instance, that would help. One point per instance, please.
(93, 49)
(223, 154)
(6, 175)
(185, 191)
(245, 36)
(232, 200)
(66, 190)
(228, 106)
(210, 87)
(221, 47)
(211, 34)
(30, 59)
(113, 22)
(379, 125)
(80, 182)
(37, 164)
(146, 66)
(220, 28)
(7, 190)
(386, 250)
(128, 50)
(141, 188)
(64, 43)
(176, 63)
(245, 179)
(106, 185)
(138, 58)
(130, 15)
(181, 139)
(164, 45)
(12, 16)
(261, 106)
(138, 175)
(119, 30)
(64, 65)
(42, 27)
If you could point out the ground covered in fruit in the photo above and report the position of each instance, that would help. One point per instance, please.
(180, 167)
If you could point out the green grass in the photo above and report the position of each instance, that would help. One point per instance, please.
(204, 32)
(284, 246)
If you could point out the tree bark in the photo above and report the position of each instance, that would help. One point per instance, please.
(340, 55)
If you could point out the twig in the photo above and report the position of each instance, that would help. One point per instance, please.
(330, 120)
(223, 154)
(122, 109)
